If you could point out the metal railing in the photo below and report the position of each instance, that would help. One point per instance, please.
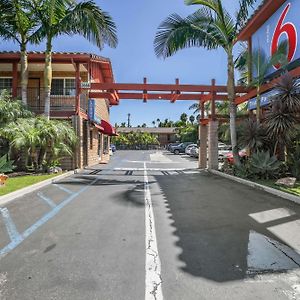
(62, 100)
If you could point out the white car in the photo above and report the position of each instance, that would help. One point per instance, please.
(189, 148)
(223, 150)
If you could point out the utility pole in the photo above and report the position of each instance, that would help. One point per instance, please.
(128, 123)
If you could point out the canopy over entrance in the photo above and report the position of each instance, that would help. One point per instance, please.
(115, 92)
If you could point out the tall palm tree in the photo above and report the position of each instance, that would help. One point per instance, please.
(69, 17)
(192, 119)
(18, 23)
(260, 64)
(211, 27)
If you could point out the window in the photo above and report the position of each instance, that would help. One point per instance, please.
(5, 84)
(63, 87)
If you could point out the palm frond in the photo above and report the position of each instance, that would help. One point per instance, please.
(88, 20)
(177, 33)
(243, 12)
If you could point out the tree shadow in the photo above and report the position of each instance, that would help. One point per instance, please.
(218, 238)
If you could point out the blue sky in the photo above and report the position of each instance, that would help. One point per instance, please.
(134, 58)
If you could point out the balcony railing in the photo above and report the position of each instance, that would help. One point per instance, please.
(63, 100)
(36, 100)
(66, 102)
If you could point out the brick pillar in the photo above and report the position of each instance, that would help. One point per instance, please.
(213, 145)
(102, 147)
(77, 124)
(202, 162)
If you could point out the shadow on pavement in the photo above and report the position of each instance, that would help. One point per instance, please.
(218, 238)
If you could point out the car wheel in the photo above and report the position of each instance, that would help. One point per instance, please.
(176, 152)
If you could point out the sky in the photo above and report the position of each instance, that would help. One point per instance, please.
(134, 58)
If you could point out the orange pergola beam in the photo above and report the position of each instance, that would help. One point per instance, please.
(156, 96)
(163, 87)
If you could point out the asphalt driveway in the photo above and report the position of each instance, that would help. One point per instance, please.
(149, 225)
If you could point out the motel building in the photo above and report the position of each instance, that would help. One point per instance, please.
(272, 23)
(72, 75)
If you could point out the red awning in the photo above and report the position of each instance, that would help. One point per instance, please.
(98, 127)
(108, 129)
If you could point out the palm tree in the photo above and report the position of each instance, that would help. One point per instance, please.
(69, 17)
(153, 123)
(192, 119)
(18, 23)
(210, 27)
(261, 65)
(40, 139)
(10, 110)
(183, 118)
(252, 135)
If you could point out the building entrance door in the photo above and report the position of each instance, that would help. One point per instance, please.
(34, 95)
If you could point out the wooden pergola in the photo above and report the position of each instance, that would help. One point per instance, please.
(145, 91)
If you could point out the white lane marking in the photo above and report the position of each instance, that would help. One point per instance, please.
(46, 199)
(148, 169)
(63, 188)
(11, 228)
(153, 280)
(154, 162)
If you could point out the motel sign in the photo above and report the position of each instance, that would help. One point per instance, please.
(284, 25)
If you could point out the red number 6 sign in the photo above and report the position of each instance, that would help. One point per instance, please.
(290, 30)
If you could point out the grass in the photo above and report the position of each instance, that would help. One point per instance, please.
(16, 183)
(271, 183)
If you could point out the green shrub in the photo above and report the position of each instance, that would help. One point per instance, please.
(6, 166)
(263, 165)
(294, 162)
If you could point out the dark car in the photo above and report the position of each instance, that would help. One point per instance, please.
(169, 147)
(180, 148)
(113, 147)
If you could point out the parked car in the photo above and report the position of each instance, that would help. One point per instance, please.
(189, 148)
(113, 147)
(180, 148)
(194, 152)
(169, 147)
(223, 150)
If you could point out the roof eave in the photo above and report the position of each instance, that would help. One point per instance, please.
(264, 12)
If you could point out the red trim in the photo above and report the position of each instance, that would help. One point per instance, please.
(252, 93)
(98, 127)
(261, 16)
(108, 129)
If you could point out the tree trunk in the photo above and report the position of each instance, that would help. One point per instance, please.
(48, 79)
(41, 157)
(24, 73)
(232, 107)
(258, 97)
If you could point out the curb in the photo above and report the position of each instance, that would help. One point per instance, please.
(258, 186)
(26, 190)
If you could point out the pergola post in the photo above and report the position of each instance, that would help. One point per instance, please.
(213, 125)
(202, 161)
(202, 158)
(213, 154)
